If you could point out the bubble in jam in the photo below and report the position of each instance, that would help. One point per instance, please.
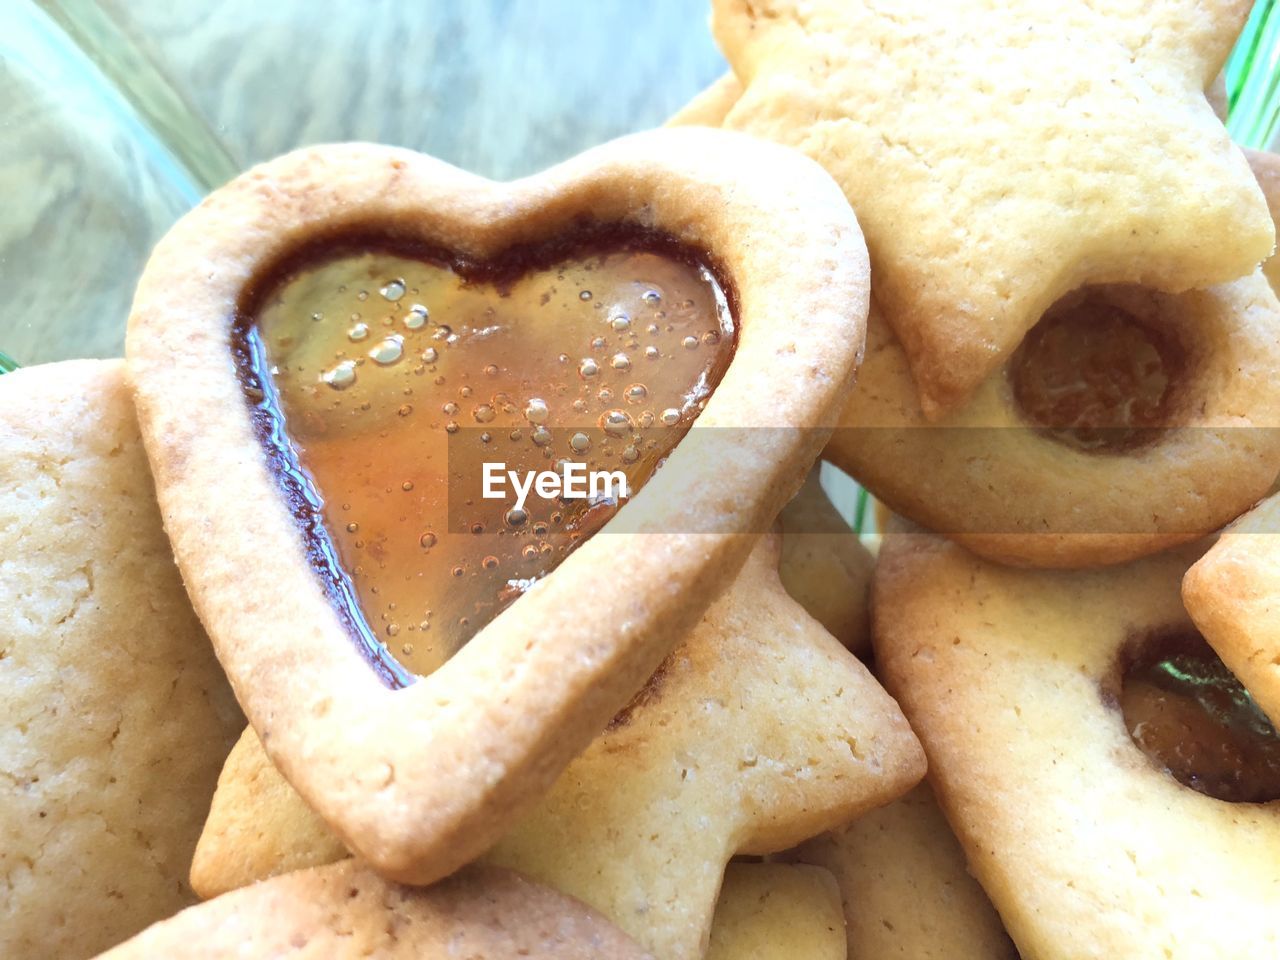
(341, 375)
(1190, 715)
(535, 410)
(417, 317)
(533, 373)
(388, 351)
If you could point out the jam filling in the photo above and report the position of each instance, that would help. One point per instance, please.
(383, 378)
(1092, 376)
(1190, 715)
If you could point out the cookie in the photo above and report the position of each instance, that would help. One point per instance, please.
(1000, 156)
(712, 105)
(422, 779)
(906, 888)
(1162, 440)
(825, 567)
(708, 109)
(345, 910)
(1233, 594)
(258, 826)
(777, 911)
(1041, 503)
(758, 732)
(1074, 724)
(116, 716)
(1266, 168)
(1216, 94)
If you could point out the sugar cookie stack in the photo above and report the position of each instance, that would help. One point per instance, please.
(1074, 386)
(999, 263)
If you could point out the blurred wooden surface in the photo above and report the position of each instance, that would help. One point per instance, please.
(117, 115)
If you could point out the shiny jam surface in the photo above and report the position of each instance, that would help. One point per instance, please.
(397, 375)
(1093, 377)
(1189, 714)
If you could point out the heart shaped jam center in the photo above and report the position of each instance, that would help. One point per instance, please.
(390, 382)
(1189, 714)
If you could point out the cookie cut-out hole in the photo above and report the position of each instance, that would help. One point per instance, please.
(1093, 376)
(1190, 715)
(385, 376)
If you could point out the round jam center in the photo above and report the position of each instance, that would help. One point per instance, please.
(1092, 376)
(1188, 713)
(398, 380)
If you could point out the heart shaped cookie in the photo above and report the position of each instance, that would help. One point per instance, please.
(420, 775)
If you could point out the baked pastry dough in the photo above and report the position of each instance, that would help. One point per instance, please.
(424, 779)
(1233, 595)
(709, 108)
(1233, 592)
(1266, 168)
(988, 477)
(777, 911)
(906, 886)
(345, 911)
(759, 731)
(825, 567)
(1002, 155)
(114, 714)
(1012, 678)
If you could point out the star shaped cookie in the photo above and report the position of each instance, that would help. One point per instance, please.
(345, 911)
(999, 155)
(825, 566)
(758, 732)
(906, 886)
(1018, 682)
